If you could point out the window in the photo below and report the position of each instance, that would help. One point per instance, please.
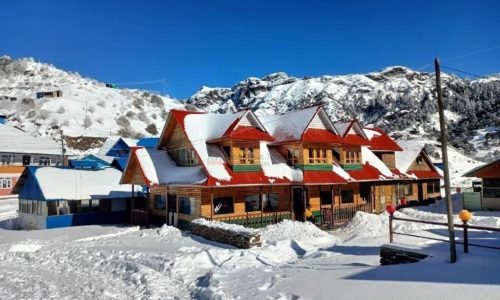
(246, 156)
(317, 156)
(352, 156)
(419, 160)
(160, 202)
(325, 197)
(347, 196)
(292, 157)
(270, 202)
(433, 187)
(7, 159)
(227, 151)
(408, 189)
(44, 160)
(5, 182)
(223, 205)
(252, 203)
(186, 205)
(26, 160)
(184, 157)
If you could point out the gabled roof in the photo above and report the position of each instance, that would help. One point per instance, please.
(247, 127)
(14, 140)
(112, 141)
(148, 142)
(489, 170)
(352, 133)
(310, 125)
(55, 183)
(156, 167)
(411, 150)
(380, 141)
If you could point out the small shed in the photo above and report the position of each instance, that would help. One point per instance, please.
(490, 177)
(51, 197)
(3, 119)
(91, 161)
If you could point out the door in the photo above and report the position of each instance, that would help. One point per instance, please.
(172, 209)
(26, 160)
(420, 193)
(299, 206)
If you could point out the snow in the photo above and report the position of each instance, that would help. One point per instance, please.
(296, 261)
(411, 149)
(275, 166)
(370, 133)
(159, 168)
(239, 229)
(289, 126)
(75, 184)
(370, 158)
(13, 140)
(201, 128)
(340, 171)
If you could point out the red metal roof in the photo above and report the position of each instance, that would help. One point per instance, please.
(246, 178)
(425, 174)
(490, 170)
(179, 115)
(248, 133)
(354, 139)
(328, 177)
(314, 135)
(367, 173)
(383, 141)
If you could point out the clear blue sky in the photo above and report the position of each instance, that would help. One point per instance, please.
(217, 43)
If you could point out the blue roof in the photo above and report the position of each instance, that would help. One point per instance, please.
(148, 142)
(120, 163)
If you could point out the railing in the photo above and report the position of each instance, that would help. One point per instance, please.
(255, 220)
(343, 213)
(465, 227)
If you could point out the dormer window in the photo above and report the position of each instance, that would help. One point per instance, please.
(184, 157)
(292, 157)
(352, 156)
(247, 156)
(317, 156)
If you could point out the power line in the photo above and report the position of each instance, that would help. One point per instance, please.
(423, 67)
(464, 72)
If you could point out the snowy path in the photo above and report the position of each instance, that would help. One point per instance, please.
(296, 261)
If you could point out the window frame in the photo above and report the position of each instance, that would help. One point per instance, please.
(342, 197)
(257, 200)
(7, 159)
(220, 205)
(5, 183)
(45, 159)
(267, 202)
(293, 156)
(159, 198)
(182, 200)
(246, 155)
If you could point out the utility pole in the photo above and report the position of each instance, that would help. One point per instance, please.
(62, 148)
(444, 151)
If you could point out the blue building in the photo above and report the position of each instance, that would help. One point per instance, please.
(91, 161)
(116, 147)
(51, 197)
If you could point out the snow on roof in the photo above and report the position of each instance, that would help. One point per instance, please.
(370, 158)
(159, 168)
(371, 133)
(275, 166)
(108, 144)
(14, 140)
(338, 169)
(202, 127)
(76, 184)
(342, 127)
(289, 126)
(411, 149)
(111, 141)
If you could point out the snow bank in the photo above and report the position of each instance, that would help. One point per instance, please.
(25, 247)
(288, 229)
(167, 233)
(239, 229)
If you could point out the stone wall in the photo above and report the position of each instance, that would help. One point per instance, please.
(237, 239)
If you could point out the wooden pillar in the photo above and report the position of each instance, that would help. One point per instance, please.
(333, 205)
(211, 203)
(132, 205)
(147, 205)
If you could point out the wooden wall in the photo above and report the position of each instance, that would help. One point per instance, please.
(239, 194)
(178, 191)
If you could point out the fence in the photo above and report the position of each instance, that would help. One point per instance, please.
(343, 213)
(465, 227)
(255, 220)
(139, 217)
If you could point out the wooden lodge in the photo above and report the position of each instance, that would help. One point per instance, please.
(253, 171)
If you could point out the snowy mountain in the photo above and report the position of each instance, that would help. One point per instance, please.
(87, 107)
(398, 99)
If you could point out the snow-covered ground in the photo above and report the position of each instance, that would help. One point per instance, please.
(296, 260)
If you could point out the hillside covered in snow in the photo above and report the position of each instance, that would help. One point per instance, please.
(398, 99)
(86, 107)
